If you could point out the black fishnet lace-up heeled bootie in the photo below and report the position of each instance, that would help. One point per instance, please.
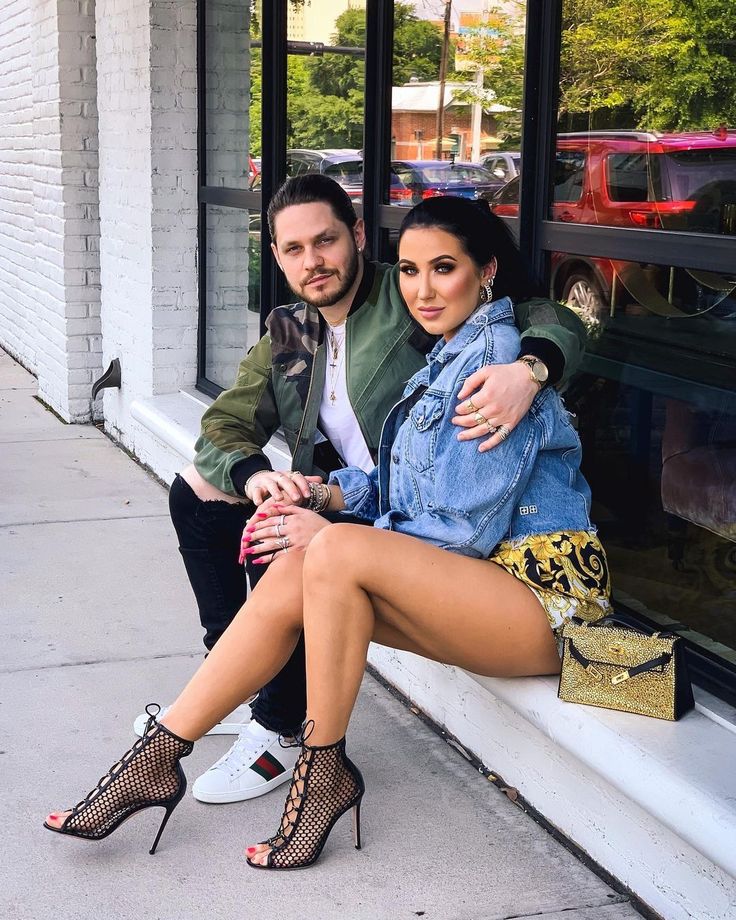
(325, 785)
(149, 775)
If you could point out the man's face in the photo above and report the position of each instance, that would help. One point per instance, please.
(317, 253)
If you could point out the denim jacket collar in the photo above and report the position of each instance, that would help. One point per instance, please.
(443, 352)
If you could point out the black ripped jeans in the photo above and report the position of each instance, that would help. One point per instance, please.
(209, 535)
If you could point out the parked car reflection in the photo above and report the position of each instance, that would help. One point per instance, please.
(640, 180)
(432, 178)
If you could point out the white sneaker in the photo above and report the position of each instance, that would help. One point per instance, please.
(253, 766)
(230, 725)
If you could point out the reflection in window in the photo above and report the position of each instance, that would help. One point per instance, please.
(662, 469)
(651, 100)
(568, 176)
(232, 82)
(657, 417)
(233, 268)
(456, 99)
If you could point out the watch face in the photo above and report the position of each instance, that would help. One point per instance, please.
(539, 369)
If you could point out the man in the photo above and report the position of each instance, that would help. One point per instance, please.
(326, 373)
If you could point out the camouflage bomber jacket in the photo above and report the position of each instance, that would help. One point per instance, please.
(280, 381)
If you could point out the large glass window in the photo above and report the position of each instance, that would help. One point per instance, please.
(647, 136)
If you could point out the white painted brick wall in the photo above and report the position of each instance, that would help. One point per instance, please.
(49, 265)
(17, 234)
(146, 75)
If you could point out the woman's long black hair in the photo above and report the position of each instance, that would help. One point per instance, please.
(482, 235)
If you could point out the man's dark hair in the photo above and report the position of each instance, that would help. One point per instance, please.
(312, 188)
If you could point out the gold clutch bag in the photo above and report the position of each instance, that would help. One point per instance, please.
(621, 668)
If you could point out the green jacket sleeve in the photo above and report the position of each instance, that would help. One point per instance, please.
(555, 325)
(240, 422)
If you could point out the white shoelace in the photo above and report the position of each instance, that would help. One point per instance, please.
(242, 754)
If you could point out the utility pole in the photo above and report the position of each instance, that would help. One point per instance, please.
(443, 79)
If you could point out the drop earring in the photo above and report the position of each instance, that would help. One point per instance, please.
(486, 291)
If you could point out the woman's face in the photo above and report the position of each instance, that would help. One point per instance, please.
(439, 281)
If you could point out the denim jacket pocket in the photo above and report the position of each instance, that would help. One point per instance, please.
(422, 434)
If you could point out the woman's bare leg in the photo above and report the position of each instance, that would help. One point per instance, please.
(362, 585)
(461, 611)
(254, 648)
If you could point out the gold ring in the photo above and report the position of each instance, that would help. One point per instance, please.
(503, 432)
(491, 428)
(471, 405)
(480, 418)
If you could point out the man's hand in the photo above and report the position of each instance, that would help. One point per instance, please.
(287, 487)
(497, 395)
(276, 529)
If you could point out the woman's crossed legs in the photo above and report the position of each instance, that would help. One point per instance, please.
(361, 584)
(355, 584)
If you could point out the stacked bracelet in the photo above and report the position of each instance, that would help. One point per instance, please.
(320, 496)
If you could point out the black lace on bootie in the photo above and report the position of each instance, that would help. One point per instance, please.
(148, 775)
(325, 784)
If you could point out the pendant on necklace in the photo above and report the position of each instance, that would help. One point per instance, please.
(333, 397)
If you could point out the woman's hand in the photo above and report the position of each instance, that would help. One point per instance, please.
(276, 529)
(497, 396)
(287, 487)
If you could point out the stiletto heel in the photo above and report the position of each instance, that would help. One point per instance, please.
(356, 825)
(324, 786)
(148, 775)
(169, 809)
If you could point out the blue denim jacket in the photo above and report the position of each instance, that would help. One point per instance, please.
(430, 485)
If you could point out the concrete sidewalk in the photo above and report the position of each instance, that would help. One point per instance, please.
(98, 620)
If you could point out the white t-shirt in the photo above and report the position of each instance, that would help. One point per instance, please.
(337, 420)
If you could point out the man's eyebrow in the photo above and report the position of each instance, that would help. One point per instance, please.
(317, 236)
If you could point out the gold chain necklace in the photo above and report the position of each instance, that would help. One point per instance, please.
(336, 355)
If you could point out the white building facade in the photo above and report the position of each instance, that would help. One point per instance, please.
(102, 218)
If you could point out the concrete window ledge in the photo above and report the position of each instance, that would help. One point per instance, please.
(652, 802)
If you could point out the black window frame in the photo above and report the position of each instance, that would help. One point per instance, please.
(538, 235)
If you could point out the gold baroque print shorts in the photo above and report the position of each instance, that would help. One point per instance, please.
(568, 573)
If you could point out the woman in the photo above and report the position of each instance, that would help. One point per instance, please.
(525, 507)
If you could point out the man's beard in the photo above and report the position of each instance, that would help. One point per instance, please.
(329, 300)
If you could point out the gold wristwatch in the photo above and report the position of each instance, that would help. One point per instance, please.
(537, 369)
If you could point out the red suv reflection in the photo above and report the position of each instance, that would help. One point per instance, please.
(633, 179)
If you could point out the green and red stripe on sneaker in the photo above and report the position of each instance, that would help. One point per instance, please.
(267, 766)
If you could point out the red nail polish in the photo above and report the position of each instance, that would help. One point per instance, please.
(249, 529)
(259, 562)
(250, 850)
(262, 515)
(249, 551)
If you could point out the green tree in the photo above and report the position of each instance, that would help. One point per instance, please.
(498, 49)
(657, 64)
